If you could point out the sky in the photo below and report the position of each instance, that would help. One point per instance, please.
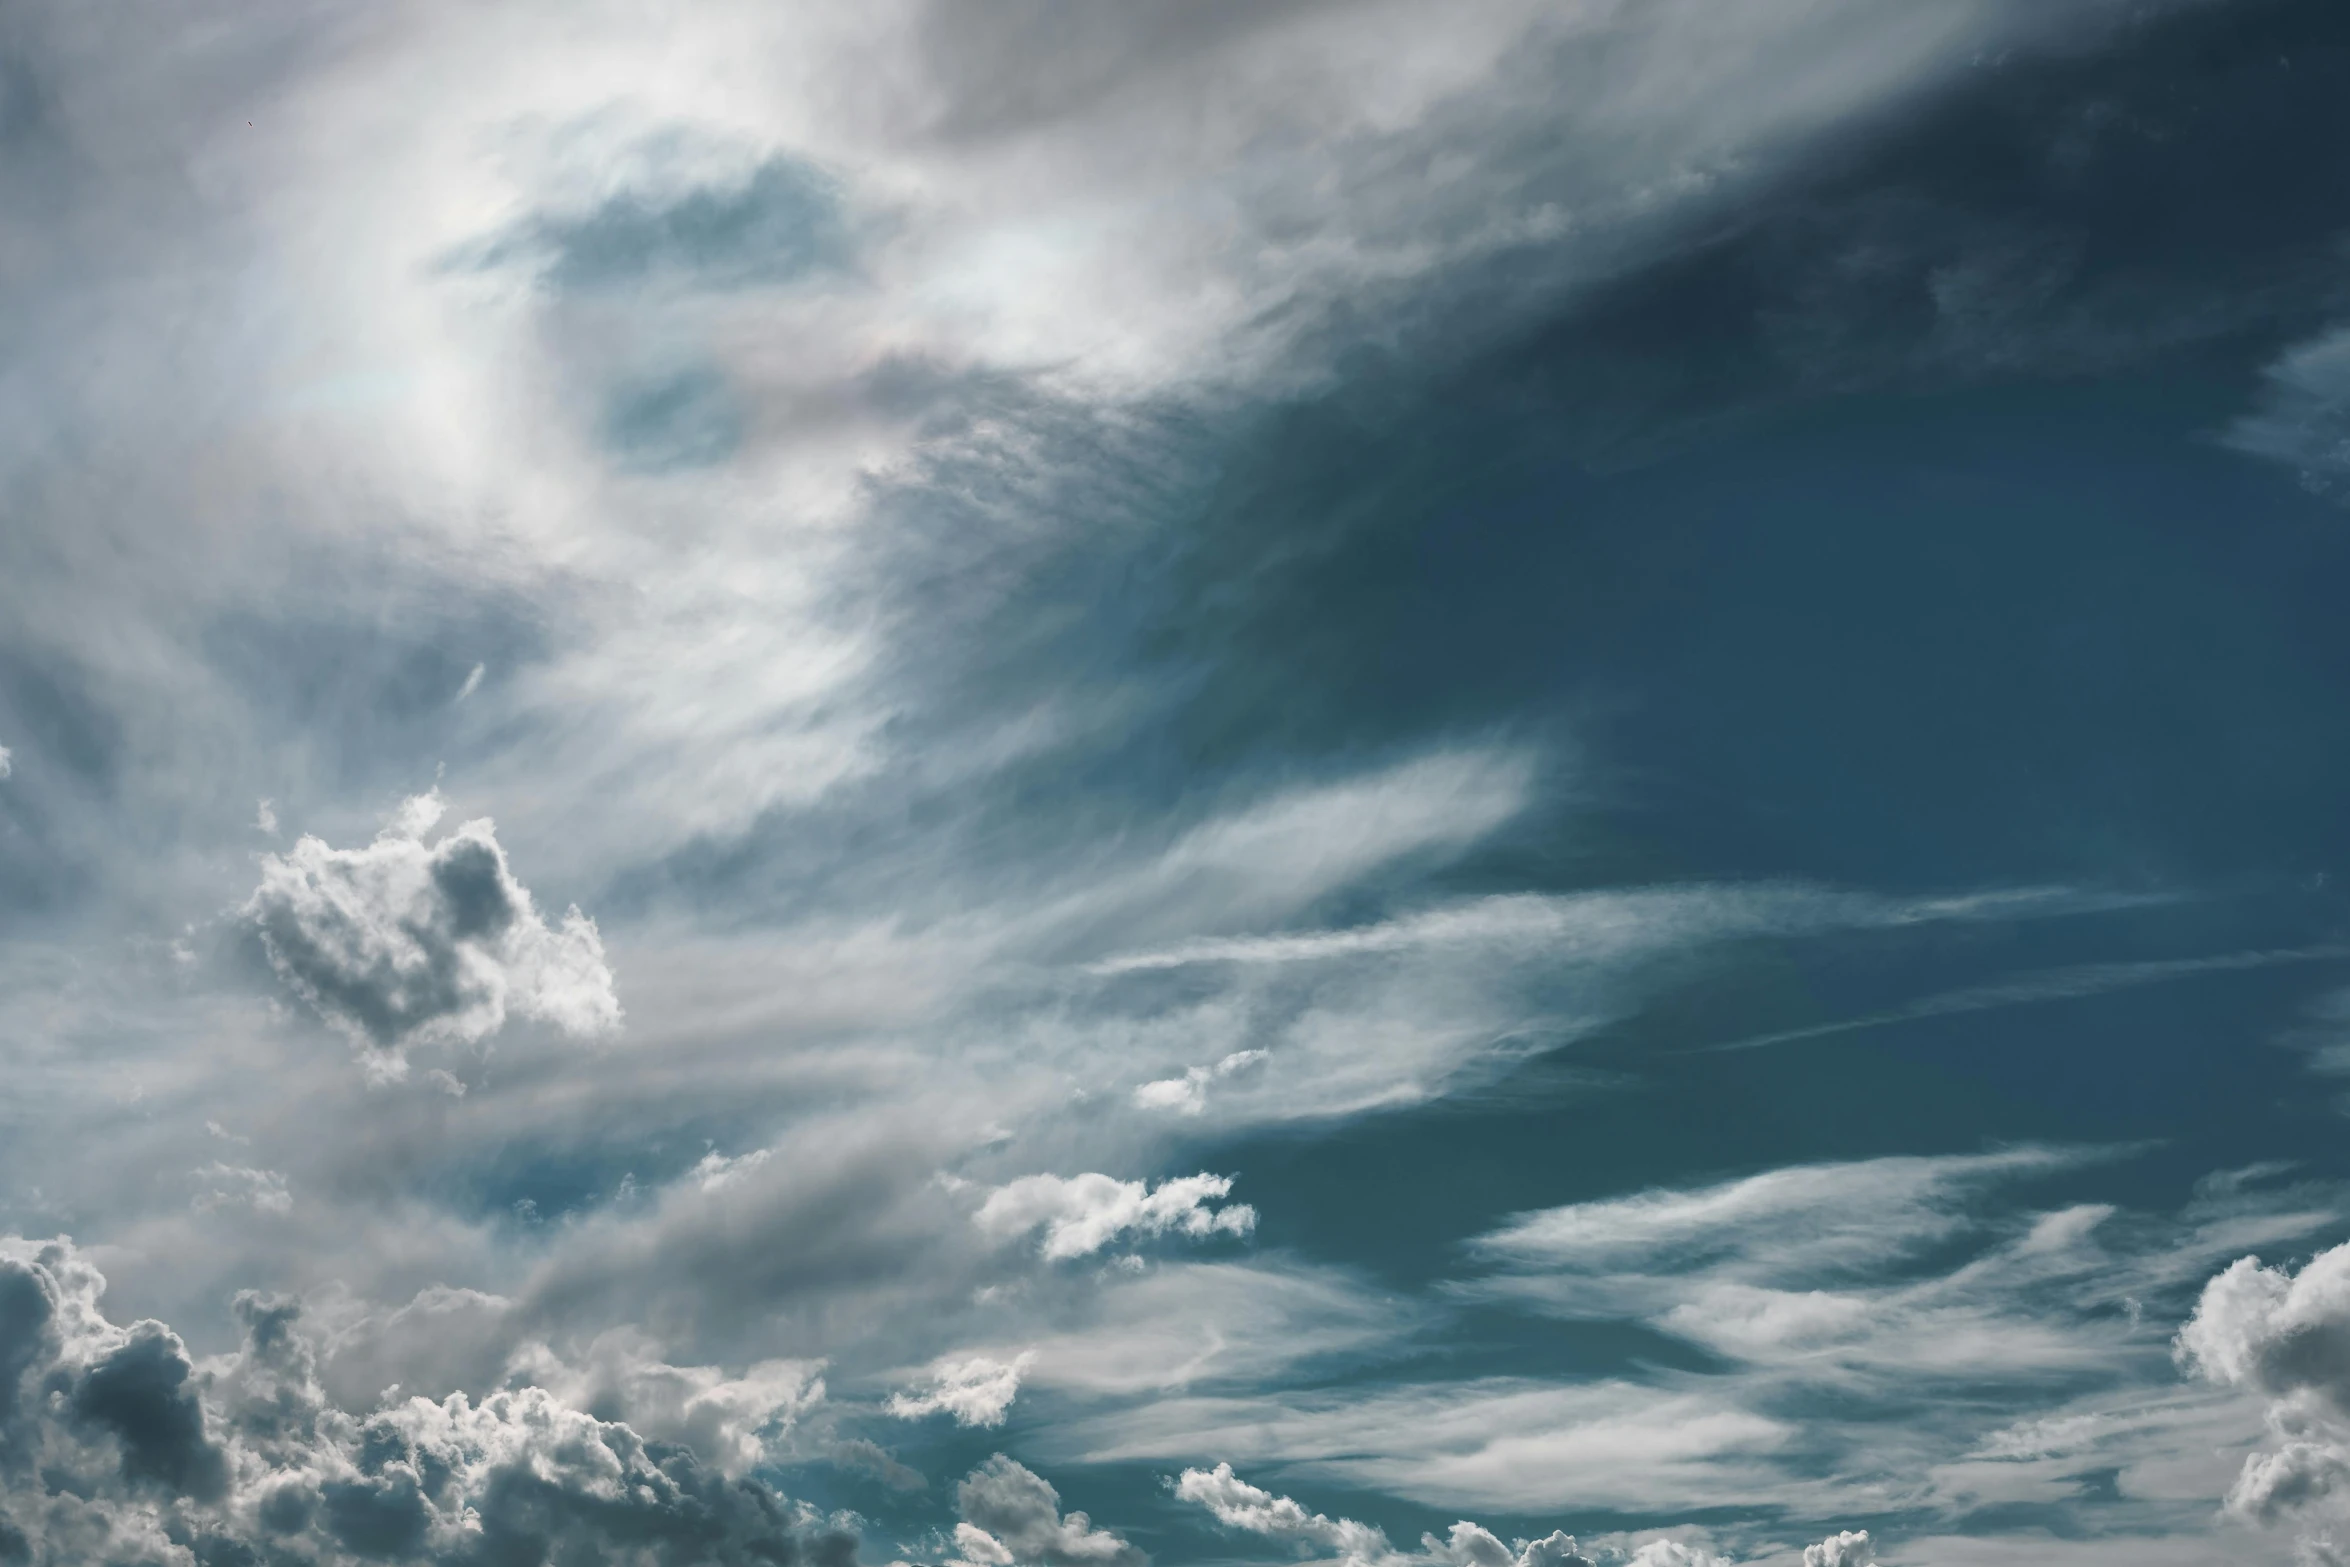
(1541, 783)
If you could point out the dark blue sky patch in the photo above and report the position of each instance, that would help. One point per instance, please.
(684, 421)
(784, 223)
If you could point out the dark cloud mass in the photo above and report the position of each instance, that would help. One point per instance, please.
(119, 1437)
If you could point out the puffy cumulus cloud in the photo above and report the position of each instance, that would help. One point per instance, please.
(1237, 1504)
(116, 1445)
(729, 1422)
(1674, 1553)
(2280, 1332)
(405, 941)
(2287, 1335)
(1844, 1548)
(1081, 1214)
(1240, 1505)
(977, 1391)
(1012, 1515)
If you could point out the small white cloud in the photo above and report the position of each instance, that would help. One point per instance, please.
(1080, 1214)
(977, 1391)
(7, 762)
(1188, 1094)
(716, 1172)
(265, 817)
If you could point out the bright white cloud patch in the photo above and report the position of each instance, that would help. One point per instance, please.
(1236, 1504)
(730, 1422)
(1844, 1548)
(2286, 1334)
(1188, 1094)
(404, 941)
(976, 1391)
(1081, 1214)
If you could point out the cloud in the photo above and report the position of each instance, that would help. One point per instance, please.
(7, 762)
(1188, 1094)
(1817, 1218)
(1516, 1444)
(873, 1459)
(977, 1391)
(1081, 1214)
(1844, 1548)
(774, 223)
(2303, 419)
(1237, 1504)
(244, 1458)
(1012, 1518)
(227, 1185)
(729, 1422)
(2285, 1334)
(402, 941)
(1211, 1324)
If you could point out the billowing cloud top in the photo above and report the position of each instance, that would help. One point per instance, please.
(404, 941)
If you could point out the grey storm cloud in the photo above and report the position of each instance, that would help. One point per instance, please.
(115, 1440)
(404, 941)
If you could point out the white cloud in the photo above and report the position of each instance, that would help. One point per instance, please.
(402, 941)
(1798, 1224)
(1012, 1518)
(1188, 1094)
(7, 762)
(1081, 1214)
(2285, 1334)
(731, 1422)
(1507, 1443)
(1218, 1324)
(1237, 1504)
(1844, 1548)
(977, 1390)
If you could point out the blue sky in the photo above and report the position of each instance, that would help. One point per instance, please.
(1525, 785)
